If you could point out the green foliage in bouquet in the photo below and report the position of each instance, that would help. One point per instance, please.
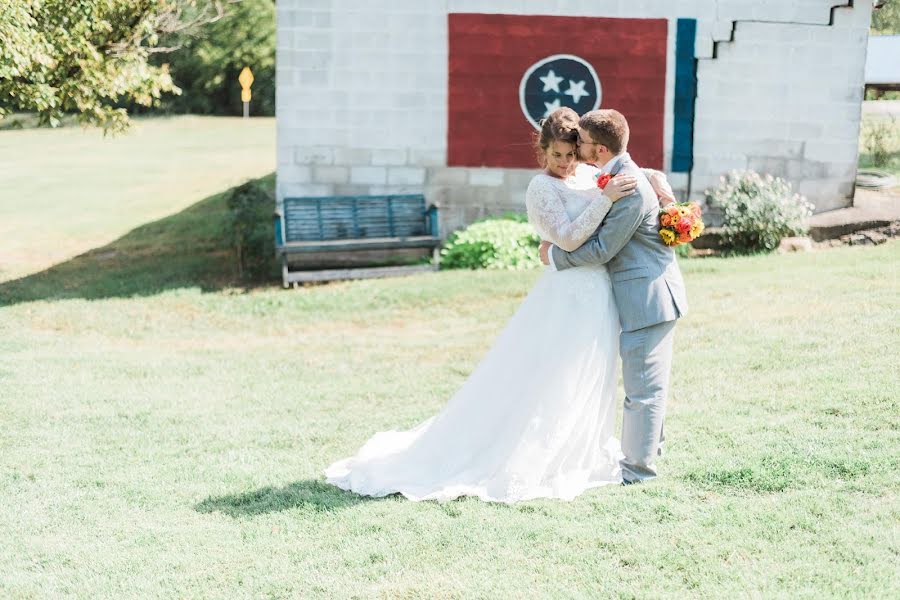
(683, 250)
(504, 243)
(758, 211)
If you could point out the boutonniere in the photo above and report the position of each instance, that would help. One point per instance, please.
(603, 179)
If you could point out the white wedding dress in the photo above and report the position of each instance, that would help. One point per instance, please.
(536, 418)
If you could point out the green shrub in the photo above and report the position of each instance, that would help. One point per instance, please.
(251, 230)
(504, 243)
(881, 140)
(758, 211)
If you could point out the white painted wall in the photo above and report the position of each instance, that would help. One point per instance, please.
(362, 102)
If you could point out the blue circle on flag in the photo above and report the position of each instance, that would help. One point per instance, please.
(557, 81)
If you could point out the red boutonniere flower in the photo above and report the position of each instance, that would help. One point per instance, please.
(603, 179)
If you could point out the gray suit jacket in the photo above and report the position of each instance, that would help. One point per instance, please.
(646, 280)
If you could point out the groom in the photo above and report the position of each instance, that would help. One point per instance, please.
(647, 286)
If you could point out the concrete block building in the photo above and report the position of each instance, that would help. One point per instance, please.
(441, 97)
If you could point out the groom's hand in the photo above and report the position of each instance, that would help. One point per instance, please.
(545, 252)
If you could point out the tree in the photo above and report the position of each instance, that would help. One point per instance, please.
(886, 20)
(207, 64)
(90, 57)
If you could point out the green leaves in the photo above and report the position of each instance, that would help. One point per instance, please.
(251, 230)
(886, 20)
(89, 57)
(758, 211)
(497, 244)
(206, 66)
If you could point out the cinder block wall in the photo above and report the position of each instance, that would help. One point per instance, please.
(362, 97)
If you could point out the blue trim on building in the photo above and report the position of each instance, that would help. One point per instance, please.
(685, 96)
(279, 233)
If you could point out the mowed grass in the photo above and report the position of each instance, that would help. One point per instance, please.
(66, 191)
(171, 444)
(163, 432)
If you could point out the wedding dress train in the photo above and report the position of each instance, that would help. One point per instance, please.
(536, 418)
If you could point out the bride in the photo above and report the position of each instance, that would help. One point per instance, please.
(536, 418)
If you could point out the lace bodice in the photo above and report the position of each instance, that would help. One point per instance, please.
(566, 212)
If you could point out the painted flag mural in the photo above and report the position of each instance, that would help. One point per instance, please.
(506, 72)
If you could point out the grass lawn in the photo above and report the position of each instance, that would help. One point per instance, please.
(162, 432)
(56, 204)
(169, 443)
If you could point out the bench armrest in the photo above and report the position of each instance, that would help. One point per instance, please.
(279, 234)
(431, 214)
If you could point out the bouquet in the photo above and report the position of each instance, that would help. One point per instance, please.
(680, 223)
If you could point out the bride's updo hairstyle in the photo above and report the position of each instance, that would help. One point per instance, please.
(560, 126)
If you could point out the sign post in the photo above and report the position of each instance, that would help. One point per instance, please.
(246, 79)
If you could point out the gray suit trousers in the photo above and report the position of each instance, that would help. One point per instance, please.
(646, 366)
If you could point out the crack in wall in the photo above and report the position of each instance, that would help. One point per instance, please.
(734, 23)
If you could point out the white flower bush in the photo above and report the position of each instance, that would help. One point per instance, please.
(758, 211)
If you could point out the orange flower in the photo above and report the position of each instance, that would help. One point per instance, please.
(665, 220)
(683, 238)
(683, 226)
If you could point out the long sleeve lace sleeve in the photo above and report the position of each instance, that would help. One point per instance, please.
(547, 213)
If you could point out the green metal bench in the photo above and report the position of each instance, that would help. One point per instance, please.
(350, 223)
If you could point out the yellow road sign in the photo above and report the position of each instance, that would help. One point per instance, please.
(246, 79)
(245, 95)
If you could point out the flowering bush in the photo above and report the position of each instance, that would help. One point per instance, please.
(496, 243)
(758, 211)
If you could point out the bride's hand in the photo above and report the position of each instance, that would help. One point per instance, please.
(661, 187)
(545, 252)
(619, 187)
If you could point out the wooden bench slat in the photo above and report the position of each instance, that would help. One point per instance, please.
(421, 238)
(345, 223)
(377, 244)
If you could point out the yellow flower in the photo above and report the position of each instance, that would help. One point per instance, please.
(668, 236)
(697, 228)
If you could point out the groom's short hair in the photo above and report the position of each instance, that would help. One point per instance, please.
(608, 127)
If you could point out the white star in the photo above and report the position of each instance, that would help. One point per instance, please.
(551, 81)
(551, 106)
(576, 90)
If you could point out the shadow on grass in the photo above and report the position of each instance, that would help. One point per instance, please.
(310, 493)
(187, 250)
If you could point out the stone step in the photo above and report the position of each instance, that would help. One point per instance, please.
(712, 236)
